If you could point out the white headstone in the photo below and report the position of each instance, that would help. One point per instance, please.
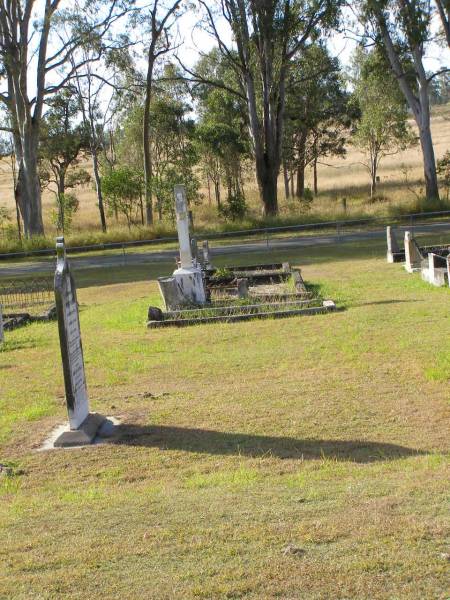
(189, 279)
(70, 340)
(413, 258)
(392, 244)
(184, 241)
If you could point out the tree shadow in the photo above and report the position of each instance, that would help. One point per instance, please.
(241, 444)
(375, 302)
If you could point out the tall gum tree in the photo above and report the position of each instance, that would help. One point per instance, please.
(267, 35)
(402, 29)
(35, 63)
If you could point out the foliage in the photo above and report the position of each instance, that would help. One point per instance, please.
(222, 134)
(382, 129)
(64, 138)
(4, 217)
(67, 205)
(235, 207)
(443, 170)
(318, 113)
(122, 189)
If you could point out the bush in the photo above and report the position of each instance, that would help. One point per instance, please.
(235, 209)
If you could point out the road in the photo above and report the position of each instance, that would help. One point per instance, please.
(121, 260)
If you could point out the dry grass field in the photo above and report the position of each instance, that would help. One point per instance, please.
(337, 179)
(304, 458)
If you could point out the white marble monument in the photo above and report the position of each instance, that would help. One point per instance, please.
(187, 285)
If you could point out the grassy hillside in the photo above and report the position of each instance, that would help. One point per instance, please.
(299, 458)
(338, 178)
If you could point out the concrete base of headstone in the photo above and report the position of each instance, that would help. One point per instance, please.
(84, 435)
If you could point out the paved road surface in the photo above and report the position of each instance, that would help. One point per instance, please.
(10, 269)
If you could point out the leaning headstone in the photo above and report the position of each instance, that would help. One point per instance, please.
(194, 250)
(83, 424)
(392, 244)
(206, 257)
(413, 257)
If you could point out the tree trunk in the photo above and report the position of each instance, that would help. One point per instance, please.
(28, 190)
(267, 176)
(209, 190)
(148, 174)
(301, 166)
(217, 193)
(315, 176)
(300, 180)
(419, 104)
(286, 182)
(98, 188)
(429, 162)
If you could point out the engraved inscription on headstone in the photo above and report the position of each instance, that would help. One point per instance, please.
(70, 340)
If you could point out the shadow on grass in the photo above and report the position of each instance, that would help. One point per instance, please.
(376, 302)
(218, 442)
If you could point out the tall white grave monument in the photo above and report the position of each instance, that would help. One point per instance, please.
(83, 424)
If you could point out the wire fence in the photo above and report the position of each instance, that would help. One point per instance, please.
(26, 293)
(267, 233)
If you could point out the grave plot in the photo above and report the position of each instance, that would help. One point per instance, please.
(197, 292)
(27, 300)
(397, 254)
(433, 262)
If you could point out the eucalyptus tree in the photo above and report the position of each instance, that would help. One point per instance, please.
(317, 115)
(63, 138)
(156, 22)
(382, 129)
(35, 63)
(403, 30)
(222, 134)
(267, 35)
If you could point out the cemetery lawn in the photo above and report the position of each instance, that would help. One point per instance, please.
(302, 458)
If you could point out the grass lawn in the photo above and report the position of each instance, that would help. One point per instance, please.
(300, 458)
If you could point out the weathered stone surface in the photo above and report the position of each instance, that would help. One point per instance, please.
(434, 270)
(413, 256)
(393, 250)
(70, 340)
(85, 434)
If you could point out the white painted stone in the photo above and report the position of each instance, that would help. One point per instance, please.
(392, 244)
(184, 241)
(105, 431)
(436, 275)
(190, 285)
(413, 258)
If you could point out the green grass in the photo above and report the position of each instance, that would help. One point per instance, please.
(326, 433)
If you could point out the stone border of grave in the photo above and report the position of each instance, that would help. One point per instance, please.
(433, 262)
(234, 314)
(197, 292)
(416, 255)
(14, 320)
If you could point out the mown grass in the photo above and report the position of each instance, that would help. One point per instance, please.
(297, 458)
